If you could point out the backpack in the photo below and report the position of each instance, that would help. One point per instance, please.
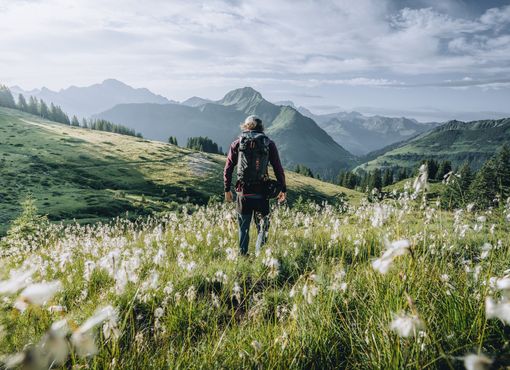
(253, 158)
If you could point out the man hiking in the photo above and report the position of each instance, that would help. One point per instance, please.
(251, 153)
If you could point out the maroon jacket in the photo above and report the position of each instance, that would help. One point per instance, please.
(232, 157)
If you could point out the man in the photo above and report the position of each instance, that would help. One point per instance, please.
(251, 153)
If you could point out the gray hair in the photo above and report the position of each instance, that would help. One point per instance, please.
(252, 123)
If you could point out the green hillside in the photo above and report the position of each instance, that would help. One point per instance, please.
(87, 175)
(220, 121)
(456, 141)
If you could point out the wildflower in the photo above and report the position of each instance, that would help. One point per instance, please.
(38, 294)
(406, 325)
(499, 310)
(393, 250)
(83, 340)
(191, 293)
(54, 343)
(421, 182)
(309, 292)
(477, 362)
(236, 292)
(17, 281)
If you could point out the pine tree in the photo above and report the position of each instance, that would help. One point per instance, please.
(303, 170)
(75, 122)
(503, 171)
(444, 167)
(84, 123)
(6, 99)
(375, 180)
(484, 188)
(43, 109)
(33, 106)
(172, 140)
(387, 177)
(22, 103)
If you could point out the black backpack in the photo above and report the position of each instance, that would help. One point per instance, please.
(253, 158)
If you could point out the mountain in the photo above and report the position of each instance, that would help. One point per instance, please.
(286, 102)
(300, 140)
(457, 141)
(363, 134)
(195, 101)
(85, 101)
(76, 173)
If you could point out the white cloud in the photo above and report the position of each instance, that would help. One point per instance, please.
(168, 44)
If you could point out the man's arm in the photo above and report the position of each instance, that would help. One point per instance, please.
(232, 155)
(274, 159)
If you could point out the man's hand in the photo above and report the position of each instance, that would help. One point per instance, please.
(281, 197)
(228, 197)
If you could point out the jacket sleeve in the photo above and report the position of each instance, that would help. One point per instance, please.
(274, 159)
(232, 155)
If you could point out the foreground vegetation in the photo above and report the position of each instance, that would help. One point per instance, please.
(398, 284)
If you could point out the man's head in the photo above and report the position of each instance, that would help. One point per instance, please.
(252, 123)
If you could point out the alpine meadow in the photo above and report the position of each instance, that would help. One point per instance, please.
(369, 143)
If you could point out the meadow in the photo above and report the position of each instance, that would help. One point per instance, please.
(393, 284)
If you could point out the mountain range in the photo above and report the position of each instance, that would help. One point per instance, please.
(473, 142)
(86, 101)
(326, 143)
(300, 140)
(362, 134)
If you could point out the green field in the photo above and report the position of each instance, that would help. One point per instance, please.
(75, 173)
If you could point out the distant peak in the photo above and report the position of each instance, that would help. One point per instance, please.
(113, 82)
(244, 93)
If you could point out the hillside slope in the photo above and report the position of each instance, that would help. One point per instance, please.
(456, 141)
(92, 175)
(301, 140)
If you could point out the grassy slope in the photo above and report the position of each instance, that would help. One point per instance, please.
(91, 175)
(455, 141)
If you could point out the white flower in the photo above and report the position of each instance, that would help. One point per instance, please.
(83, 339)
(499, 310)
(393, 250)
(39, 294)
(55, 342)
(158, 312)
(309, 292)
(477, 362)
(406, 325)
(256, 345)
(17, 281)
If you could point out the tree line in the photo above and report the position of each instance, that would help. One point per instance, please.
(203, 144)
(55, 113)
(484, 188)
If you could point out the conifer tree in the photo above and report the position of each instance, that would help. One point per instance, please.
(484, 187)
(22, 103)
(75, 122)
(6, 98)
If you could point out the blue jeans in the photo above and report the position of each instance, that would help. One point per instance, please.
(247, 207)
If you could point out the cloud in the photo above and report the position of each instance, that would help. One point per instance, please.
(180, 45)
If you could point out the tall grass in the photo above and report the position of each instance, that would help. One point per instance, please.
(312, 299)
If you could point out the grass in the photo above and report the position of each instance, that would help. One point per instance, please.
(311, 300)
(91, 176)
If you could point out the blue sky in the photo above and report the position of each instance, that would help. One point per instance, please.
(429, 59)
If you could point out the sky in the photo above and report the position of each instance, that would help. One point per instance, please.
(428, 59)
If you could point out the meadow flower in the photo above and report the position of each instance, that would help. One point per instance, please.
(477, 362)
(191, 293)
(38, 294)
(393, 250)
(499, 310)
(309, 292)
(256, 346)
(406, 325)
(17, 281)
(54, 344)
(83, 339)
(236, 291)
(421, 182)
